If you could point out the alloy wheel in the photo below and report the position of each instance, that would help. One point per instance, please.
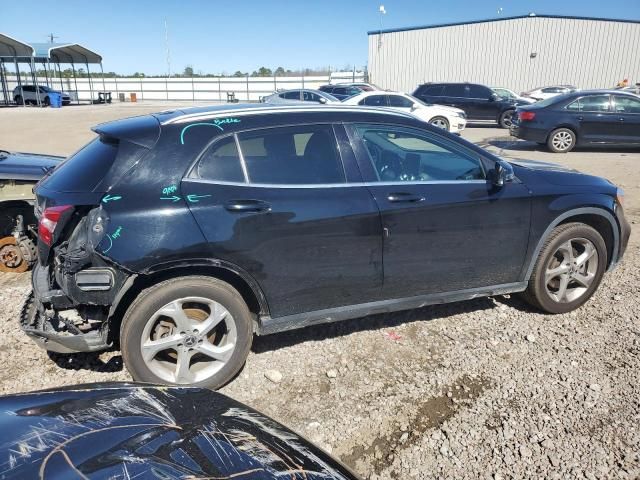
(188, 340)
(562, 140)
(440, 123)
(571, 270)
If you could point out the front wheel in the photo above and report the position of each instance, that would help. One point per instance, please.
(506, 119)
(47, 101)
(568, 270)
(561, 140)
(440, 122)
(18, 99)
(187, 331)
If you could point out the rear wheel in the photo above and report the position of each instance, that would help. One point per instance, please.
(187, 331)
(506, 119)
(568, 270)
(440, 122)
(561, 140)
(47, 101)
(18, 99)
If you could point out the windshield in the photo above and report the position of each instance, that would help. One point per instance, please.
(46, 89)
(418, 101)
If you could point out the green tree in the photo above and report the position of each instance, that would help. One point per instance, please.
(262, 72)
(188, 71)
(240, 74)
(279, 71)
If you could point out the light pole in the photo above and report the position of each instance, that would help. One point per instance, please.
(383, 12)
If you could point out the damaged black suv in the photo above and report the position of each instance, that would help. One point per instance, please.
(180, 235)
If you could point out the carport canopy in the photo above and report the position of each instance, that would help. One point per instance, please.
(12, 48)
(64, 53)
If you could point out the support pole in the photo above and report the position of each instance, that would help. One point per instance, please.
(19, 80)
(34, 76)
(90, 83)
(60, 76)
(46, 67)
(104, 89)
(75, 82)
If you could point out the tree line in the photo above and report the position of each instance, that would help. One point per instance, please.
(189, 72)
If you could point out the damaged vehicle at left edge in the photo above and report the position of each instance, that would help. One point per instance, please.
(19, 173)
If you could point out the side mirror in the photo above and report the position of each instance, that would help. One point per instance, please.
(493, 97)
(502, 173)
(414, 107)
(322, 100)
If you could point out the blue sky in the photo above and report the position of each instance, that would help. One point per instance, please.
(216, 36)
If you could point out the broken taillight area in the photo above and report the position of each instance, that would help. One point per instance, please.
(49, 221)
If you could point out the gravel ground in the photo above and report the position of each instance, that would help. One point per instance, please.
(481, 389)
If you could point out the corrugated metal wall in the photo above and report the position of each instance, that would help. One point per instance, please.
(585, 53)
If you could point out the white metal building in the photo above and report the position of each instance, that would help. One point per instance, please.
(520, 53)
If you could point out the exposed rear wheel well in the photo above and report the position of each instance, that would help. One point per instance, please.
(146, 281)
(601, 225)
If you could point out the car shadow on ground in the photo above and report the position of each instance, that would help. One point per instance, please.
(87, 361)
(381, 321)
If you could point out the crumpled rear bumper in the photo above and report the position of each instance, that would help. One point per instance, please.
(50, 331)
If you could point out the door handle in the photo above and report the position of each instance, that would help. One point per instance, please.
(247, 206)
(403, 197)
(622, 119)
(580, 119)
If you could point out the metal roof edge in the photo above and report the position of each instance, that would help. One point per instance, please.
(499, 19)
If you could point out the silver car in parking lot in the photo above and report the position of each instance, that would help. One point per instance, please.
(300, 95)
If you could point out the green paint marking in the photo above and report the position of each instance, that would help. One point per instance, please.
(196, 198)
(216, 123)
(117, 233)
(110, 198)
(169, 190)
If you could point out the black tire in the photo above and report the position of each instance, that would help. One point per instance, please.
(18, 99)
(47, 101)
(152, 299)
(440, 122)
(537, 294)
(561, 140)
(506, 118)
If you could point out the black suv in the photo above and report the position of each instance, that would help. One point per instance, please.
(478, 101)
(181, 234)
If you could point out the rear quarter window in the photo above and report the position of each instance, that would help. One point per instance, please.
(94, 166)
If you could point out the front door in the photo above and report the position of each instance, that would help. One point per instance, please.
(446, 227)
(276, 203)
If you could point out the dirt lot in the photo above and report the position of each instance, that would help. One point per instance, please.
(482, 389)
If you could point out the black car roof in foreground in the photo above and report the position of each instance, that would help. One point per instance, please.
(197, 113)
(129, 430)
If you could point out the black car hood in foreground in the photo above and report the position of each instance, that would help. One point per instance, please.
(26, 166)
(120, 430)
(559, 174)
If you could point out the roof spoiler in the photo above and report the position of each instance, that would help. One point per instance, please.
(143, 130)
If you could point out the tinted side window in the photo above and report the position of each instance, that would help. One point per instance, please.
(478, 91)
(405, 155)
(339, 91)
(593, 103)
(375, 101)
(300, 155)
(430, 90)
(399, 101)
(457, 90)
(627, 104)
(221, 162)
(295, 95)
(310, 96)
(327, 89)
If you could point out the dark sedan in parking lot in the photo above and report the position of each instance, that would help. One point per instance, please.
(596, 117)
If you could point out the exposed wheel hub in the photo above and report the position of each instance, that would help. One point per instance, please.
(11, 257)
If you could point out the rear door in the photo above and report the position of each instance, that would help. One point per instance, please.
(627, 111)
(446, 227)
(597, 122)
(455, 95)
(276, 203)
